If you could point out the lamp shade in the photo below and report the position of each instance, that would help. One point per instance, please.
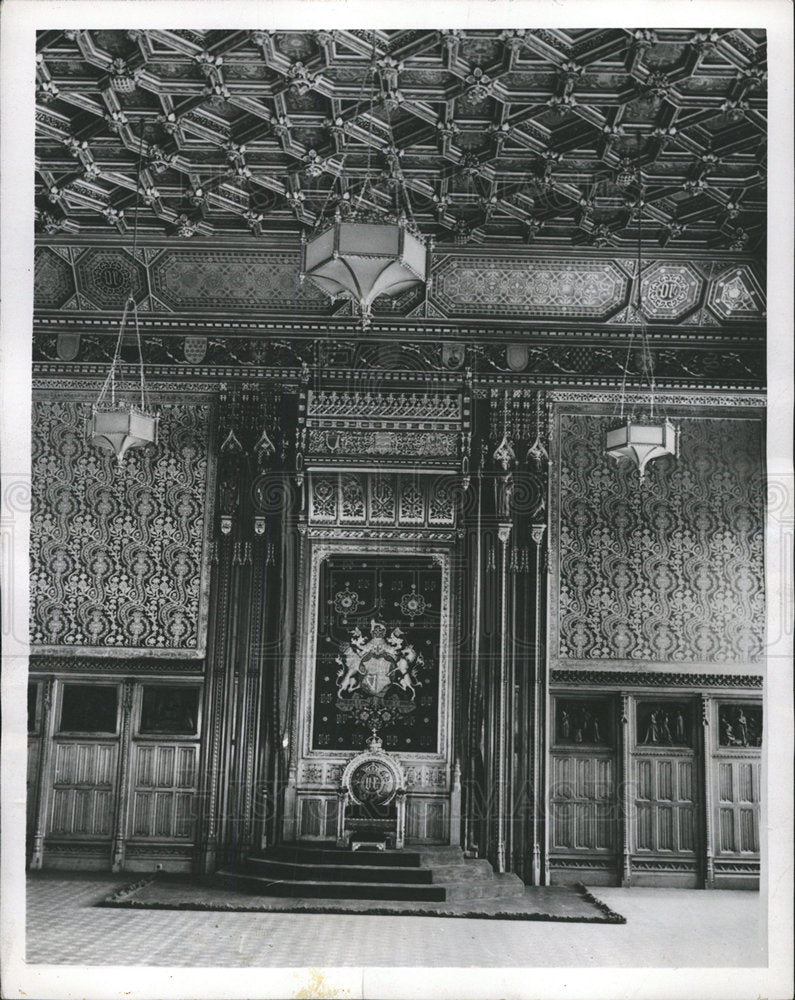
(642, 442)
(120, 428)
(364, 259)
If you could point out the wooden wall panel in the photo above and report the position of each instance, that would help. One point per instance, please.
(427, 820)
(84, 789)
(738, 807)
(583, 794)
(164, 789)
(317, 819)
(34, 760)
(665, 805)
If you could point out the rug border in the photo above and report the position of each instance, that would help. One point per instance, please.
(122, 899)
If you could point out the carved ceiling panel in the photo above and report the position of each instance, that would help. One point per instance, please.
(502, 138)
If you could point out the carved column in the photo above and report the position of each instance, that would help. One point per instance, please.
(219, 667)
(537, 532)
(45, 779)
(213, 709)
(627, 804)
(292, 704)
(472, 792)
(706, 756)
(455, 805)
(265, 625)
(292, 626)
(504, 534)
(122, 801)
(237, 811)
(505, 456)
(237, 697)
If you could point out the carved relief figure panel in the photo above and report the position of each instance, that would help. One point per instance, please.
(664, 724)
(169, 710)
(739, 725)
(584, 723)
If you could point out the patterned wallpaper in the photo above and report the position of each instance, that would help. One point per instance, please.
(670, 572)
(118, 557)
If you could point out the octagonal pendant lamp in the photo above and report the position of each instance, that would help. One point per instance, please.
(122, 428)
(365, 256)
(643, 439)
(117, 424)
(642, 442)
(367, 251)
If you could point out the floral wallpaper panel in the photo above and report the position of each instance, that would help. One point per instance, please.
(118, 554)
(671, 571)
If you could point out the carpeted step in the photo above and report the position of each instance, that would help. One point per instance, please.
(499, 886)
(327, 872)
(331, 890)
(431, 856)
(320, 871)
(312, 855)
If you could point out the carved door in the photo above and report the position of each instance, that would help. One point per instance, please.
(583, 788)
(666, 835)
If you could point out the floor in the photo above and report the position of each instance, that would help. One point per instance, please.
(665, 927)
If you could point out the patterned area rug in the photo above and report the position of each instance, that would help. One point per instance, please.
(571, 904)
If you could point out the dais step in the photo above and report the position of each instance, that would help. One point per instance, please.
(324, 871)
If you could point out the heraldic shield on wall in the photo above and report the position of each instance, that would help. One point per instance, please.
(378, 646)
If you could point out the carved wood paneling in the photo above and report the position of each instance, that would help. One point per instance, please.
(317, 817)
(33, 766)
(738, 795)
(164, 787)
(666, 805)
(582, 802)
(85, 778)
(426, 821)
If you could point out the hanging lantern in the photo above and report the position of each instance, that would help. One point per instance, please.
(642, 442)
(645, 439)
(363, 257)
(118, 425)
(366, 251)
(122, 428)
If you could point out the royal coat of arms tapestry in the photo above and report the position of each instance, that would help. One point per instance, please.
(377, 666)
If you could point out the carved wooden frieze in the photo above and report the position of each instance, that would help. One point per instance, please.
(176, 280)
(654, 678)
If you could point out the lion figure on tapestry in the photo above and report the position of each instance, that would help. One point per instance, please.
(371, 666)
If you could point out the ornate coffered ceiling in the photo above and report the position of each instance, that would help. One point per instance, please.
(503, 138)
